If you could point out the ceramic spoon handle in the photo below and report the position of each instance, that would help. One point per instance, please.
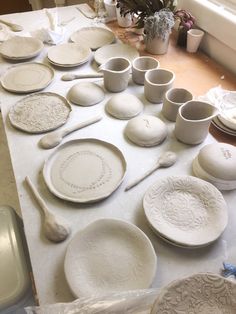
(37, 196)
(146, 174)
(80, 125)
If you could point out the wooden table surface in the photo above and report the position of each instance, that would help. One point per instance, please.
(194, 71)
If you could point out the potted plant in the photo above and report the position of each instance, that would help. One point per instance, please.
(186, 22)
(157, 29)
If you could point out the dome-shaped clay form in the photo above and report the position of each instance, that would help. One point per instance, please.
(216, 163)
(86, 94)
(124, 106)
(146, 130)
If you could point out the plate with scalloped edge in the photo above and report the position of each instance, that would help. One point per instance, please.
(201, 293)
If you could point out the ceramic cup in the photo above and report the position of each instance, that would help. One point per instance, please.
(193, 121)
(173, 99)
(157, 82)
(116, 74)
(123, 21)
(194, 38)
(140, 66)
(110, 7)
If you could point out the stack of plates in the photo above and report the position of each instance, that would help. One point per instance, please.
(217, 122)
(200, 293)
(69, 55)
(185, 211)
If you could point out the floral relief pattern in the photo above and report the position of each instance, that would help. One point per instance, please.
(198, 294)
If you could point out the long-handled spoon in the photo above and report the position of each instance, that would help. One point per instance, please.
(55, 228)
(54, 138)
(13, 27)
(71, 76)
(166, 159)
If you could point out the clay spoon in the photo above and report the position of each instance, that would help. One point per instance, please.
(166, 159)
(13, 27)
(71, 76)
(55, 228)
(54, 138)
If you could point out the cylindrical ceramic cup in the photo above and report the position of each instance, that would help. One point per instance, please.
(173, 99)
(116, 74)
(157, 82)
(123, 21)
(193, 121)
(140, 66)
(110, 7)
(194, 38)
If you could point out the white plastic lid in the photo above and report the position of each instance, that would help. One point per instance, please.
(14, 277)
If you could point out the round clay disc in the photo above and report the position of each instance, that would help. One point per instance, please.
(124, 106)
(86, 94)
(146, 130)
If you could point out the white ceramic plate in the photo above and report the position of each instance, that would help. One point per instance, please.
(201, 293)
(69, 55)
(40, 112)
(109, 256)
(186, 210)
(93, 37)
(84, 170)
(28, 77)
(20, 48)
(223, 128)
(115, 50)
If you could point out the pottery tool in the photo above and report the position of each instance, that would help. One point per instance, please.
(55, 228)
(12, 26)
(71, 76)
(166, 159)
(54, 138)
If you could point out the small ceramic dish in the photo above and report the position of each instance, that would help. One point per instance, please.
(108, 256)
(216, 163)
(228, 106)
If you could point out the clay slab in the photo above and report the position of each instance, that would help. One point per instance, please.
(93, 37)
(40, 112)
(84, 170)
(28, 77)
(109, 255)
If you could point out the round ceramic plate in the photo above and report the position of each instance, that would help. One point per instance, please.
(20, 48)
(28, 77)
(84, 170)
(93, 37)
(223, 128)
(186, 210)
(201, 293)
(69, 55)
(40, 112)
(115, 50)
(109, 256)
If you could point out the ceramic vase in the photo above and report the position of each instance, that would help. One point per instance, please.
(182, 37)
(157, 46)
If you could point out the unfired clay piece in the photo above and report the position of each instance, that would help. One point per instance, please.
(86, 94)
(84, 170)
(216, 163)
(186, 210)
(146, 130)
(124, 106)
(109, 255)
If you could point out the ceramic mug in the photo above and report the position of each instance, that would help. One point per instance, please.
(123, 21)
(157, 82)
(110, 7)
(174, 98)
(194, 38)
(140, 66)
(193, 121)
(116, 74)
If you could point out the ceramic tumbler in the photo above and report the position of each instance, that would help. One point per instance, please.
(157, 82)
(123, 21)
(173, 99)
(110, 7)
(194, 38)
(193, 121)
(116, 74)
(140, 66)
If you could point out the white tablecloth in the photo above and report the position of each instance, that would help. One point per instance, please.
(28, 159)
